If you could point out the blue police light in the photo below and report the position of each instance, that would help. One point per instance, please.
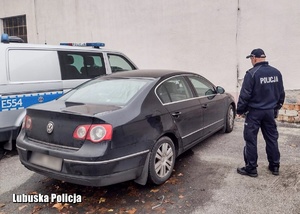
(5, 38)
(88, 44)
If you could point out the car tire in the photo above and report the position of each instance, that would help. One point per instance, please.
(162, 161)
(229, 123)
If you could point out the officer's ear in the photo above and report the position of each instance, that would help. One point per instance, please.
(253, 60)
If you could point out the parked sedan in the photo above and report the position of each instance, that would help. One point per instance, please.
(126, 126)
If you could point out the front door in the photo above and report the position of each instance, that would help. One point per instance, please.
(210, 102)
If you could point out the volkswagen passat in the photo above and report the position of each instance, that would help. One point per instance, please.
(126, 126)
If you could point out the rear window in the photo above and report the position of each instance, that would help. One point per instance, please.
(106, 92)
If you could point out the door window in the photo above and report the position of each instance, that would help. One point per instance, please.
(81, 65)
(119, 63)
(174, 89)
(202, 86)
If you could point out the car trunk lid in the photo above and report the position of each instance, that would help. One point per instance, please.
(54, 123)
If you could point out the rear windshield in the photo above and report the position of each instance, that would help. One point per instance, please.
(106, 92)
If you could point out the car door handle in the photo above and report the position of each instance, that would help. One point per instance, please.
(204, 105)
(176, 114)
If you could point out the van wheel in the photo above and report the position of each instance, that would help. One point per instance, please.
(162, 161)
(229, 123)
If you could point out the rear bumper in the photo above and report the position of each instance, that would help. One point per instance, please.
(101, 180)
(87, 172)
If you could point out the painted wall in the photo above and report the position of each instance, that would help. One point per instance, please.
(211, 38)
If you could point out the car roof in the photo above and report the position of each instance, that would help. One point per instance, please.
(150, 73)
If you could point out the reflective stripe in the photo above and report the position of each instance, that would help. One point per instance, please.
(21, 101)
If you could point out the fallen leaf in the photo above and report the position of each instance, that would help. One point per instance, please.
(110, 210)
(58, 206)
(154, 190)
(180, 174)
(102, 200)
(22, 207)
(181, 196)
(169, 201)
(33, 193)
(131, 211)
(172, 180)
(36, 209)
(103, 210)
(2, 205)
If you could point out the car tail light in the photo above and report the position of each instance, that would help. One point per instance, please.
(27, 123)
(94, 133)
(81, 131)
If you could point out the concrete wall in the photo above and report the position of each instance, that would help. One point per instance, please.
(208, 37)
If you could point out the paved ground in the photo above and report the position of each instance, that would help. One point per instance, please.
(204, 181)
(266, 193)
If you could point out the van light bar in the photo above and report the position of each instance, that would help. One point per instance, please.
(88, 44)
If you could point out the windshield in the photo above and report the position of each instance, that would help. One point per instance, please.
(106, 92)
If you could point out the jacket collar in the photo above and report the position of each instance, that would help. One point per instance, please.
(261, 63)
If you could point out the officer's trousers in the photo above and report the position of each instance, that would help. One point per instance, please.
(264, 119)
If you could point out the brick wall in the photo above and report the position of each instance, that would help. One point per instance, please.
(290, 112)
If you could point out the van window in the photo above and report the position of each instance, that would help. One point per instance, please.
(33, 65)
(119, 63)
(81, 65)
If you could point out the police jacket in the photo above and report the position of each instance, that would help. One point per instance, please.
(262, 89)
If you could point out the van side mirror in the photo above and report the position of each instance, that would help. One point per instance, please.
(220, 90)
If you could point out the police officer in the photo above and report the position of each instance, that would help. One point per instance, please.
(262, 95)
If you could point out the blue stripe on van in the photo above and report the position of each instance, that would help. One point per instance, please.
(21, 101)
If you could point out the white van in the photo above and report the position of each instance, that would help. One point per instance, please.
(31, 74)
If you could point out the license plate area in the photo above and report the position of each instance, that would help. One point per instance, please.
(46, 161)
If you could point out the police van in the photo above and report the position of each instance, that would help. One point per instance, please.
(32, 74)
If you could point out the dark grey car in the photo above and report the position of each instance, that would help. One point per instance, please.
(126, 126)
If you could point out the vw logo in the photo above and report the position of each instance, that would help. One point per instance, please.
(50, 127)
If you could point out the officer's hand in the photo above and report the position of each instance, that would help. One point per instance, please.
(276, 111)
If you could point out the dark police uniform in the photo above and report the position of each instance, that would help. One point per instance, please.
(262, 95)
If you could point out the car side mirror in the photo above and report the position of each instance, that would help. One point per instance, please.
(210, 94)
(220, 90)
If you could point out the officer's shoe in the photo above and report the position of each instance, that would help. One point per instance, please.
(274, 170)
(244, 171)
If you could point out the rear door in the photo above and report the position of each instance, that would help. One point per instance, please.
(186, 112)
